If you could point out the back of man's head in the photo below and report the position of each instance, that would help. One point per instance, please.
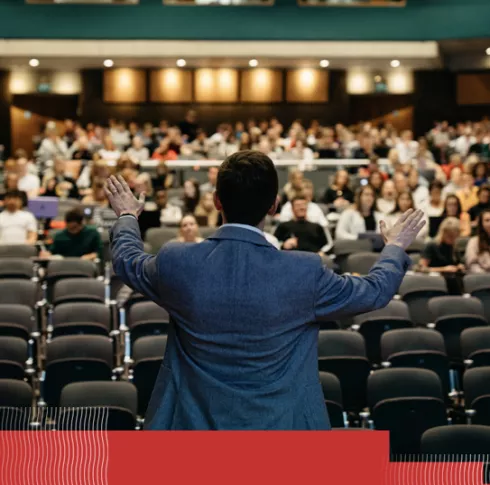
(247, 187)
(75, 215)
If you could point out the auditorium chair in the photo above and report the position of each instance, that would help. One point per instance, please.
(17, 268)
(361, 262)
(14, 358)
(332, 394)
(99, 406)
(147, 356)
(418, 348)
(478, 285)
(461, 443)
(147, 318)
(72, 290)
(344, 247)
(343, 354)
(156, 237)
(475, 346)
(24, 251)
(16, 400)
(416, 290)
(406, 402)
(17, 320)
(75, 358)
(372, 325)
(453, 314)
(476, 386)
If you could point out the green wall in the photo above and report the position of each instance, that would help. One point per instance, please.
(419, 20)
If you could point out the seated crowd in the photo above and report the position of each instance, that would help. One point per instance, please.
(444, 173)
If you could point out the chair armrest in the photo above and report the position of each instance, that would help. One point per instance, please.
(364, 415)
(470, 413)
(432, 326)
(386, 365)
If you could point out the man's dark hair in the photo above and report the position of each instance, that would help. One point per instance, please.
(247, 187)
(74, 215)
(10, 194)
(299, 196)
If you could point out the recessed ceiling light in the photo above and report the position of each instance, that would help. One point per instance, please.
(488, 51)
(34, 62)
(253, 63)
(181, 62)
(324, 63)
(395, 63)
(108, 63)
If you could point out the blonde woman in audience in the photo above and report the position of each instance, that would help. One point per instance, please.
(477, 255)
(109, 152)
(188, 231)
(361, 218)
(206, 211)
(294, 185)
(386, 203)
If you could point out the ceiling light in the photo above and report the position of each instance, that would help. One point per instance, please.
(34, 63)
(395, 63)
(324, 63)
(377, 79)
(253, 63)
(181, 62)
(108, 63)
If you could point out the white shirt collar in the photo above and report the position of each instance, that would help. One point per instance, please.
(245, 226)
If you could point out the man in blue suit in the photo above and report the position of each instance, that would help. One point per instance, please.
(242, 351)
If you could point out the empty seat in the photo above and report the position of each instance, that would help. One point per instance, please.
(98, 406)
(17, 251)
(147, 318)
(344, 247)
(478, 285)
(343, 354)
(452, 315)
(17, 321)
(156, 237)
(417, 348)
(471, 442)
(74, 359)
(476, 386)
(148, 353)
(13, 357)
(207, 231)
(19, 292)
(69, 268)
(16, 268)
(332, 394)
(406, 402)
(416, 246)
(361, 262)
(79, 318)
(16, 399)
(416, 290)
(373, 324)
(475, 346)
(78, 290)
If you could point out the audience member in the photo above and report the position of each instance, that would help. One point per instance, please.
(138, 151)
(28, 182)
(477, 255)
(206, 213)
(404, 201)
(483, 203)
(455, 182)
(11, 182)
(452, 208)
(64, 185)
(435, 207)
(480, 173)
(468, 194)
(191, 195)
(170, 215)
(210, 185)
(386, 203)
(109, 152)
(376, 180)
(189, 126)
(17, 226)
(188, 230)
(419, 192)
(52, 146)
(339, 194)
(294, 185)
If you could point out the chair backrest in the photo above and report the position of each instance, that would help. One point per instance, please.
(476, 382)
(458, 439)
(417, 246)
(442, 306)
(80, 347)
(15, 393)
(82, 312)
(152, 347)
(17, 251)
(71, 266)
(20, 292)
(403, 382)
(476, 282)
(158, 236)
(147, 311)
(344, 247)
(72, 289)
(16, 268)
(16, 314)
(395, 308)
(340, 343)
(13, 349)
(331, 387)
(361, 262)
(417, 283)
(474, 339)
(411, 340)
(207, 231)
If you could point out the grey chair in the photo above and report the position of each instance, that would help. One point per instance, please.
(18, 251)
(16, 268)
(361, 262)
(460, 443)
(476, 386)
(16, 400)
(156, 237)
(344, 247)
(475, 346)
(17, 320)
(332, 393)
(78, 290)
(147, 318)
(14, 355)
(478, 285)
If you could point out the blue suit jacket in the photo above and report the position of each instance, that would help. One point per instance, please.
(241, 352)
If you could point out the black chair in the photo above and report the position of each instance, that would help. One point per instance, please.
(147, 356)
(478, 285)
(327, 324)
(13, 358)
(452, 315)
(23, 251)
(77, 290)
(476, 386)
(98, 406)
(468, 442)
(343, 354)
(75, 358)
(361, 262)
(406, 402)
(79, 319)
(17, 320)
(156, 237)
(344, 247)
(16, 400)
(416, 290)
(19, 292)
(16, 268)
(147, 318)
(475, 346)
(417, 246)
(332, 393)
(373, 324)
(417, 348)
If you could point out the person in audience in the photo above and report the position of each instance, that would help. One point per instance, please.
(420, 193)
(163, 177)
(483, 203)
(17, 226)
(130, 175)
(468, 195)
(11, 182)
(455, 161)
(188, 230)
(435, 207)
(191, 195)
(404, 201)
(52, 146)
(206, 212)
(210, 185)
(77, 240)
(477, 254)
(170, 215)
(452, 208)
(28, 182)
(97, 194)
(143, 185)
(376, 180)
(366, 148)
(455, 184)
(361, 218)
(294, 185)
(463, 143)
(400, 180)
(339, 194)
(407, 148)
(299, 233)
(189, 126)
(138, 151)
(479, 147)
(92, 171)
(386, 203)
(80, 150)
(424, 160)
(110, 153)
(200, 145)
(120, 137)
(64, 186)
(480, 173)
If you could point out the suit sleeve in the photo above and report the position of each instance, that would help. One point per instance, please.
(136, 269)
(341, 296)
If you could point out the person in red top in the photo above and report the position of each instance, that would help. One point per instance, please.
(163, 152)
(454, 161)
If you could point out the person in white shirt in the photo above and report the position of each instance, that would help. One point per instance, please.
(463, 143)
(120, 136)
(407, 148)
(137, 151)
(386, 203)
(435, 207)
(455, 184)
(210, 185)
(28, 182)
(170, 215)
(109, 153)
(17, 226)
(420, 193)
(52, 146)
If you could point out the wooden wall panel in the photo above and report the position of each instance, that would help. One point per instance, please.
(473, 89)
(171, 86)
(124, 86)
(216, 86)
(307, 86)
(261, 86)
